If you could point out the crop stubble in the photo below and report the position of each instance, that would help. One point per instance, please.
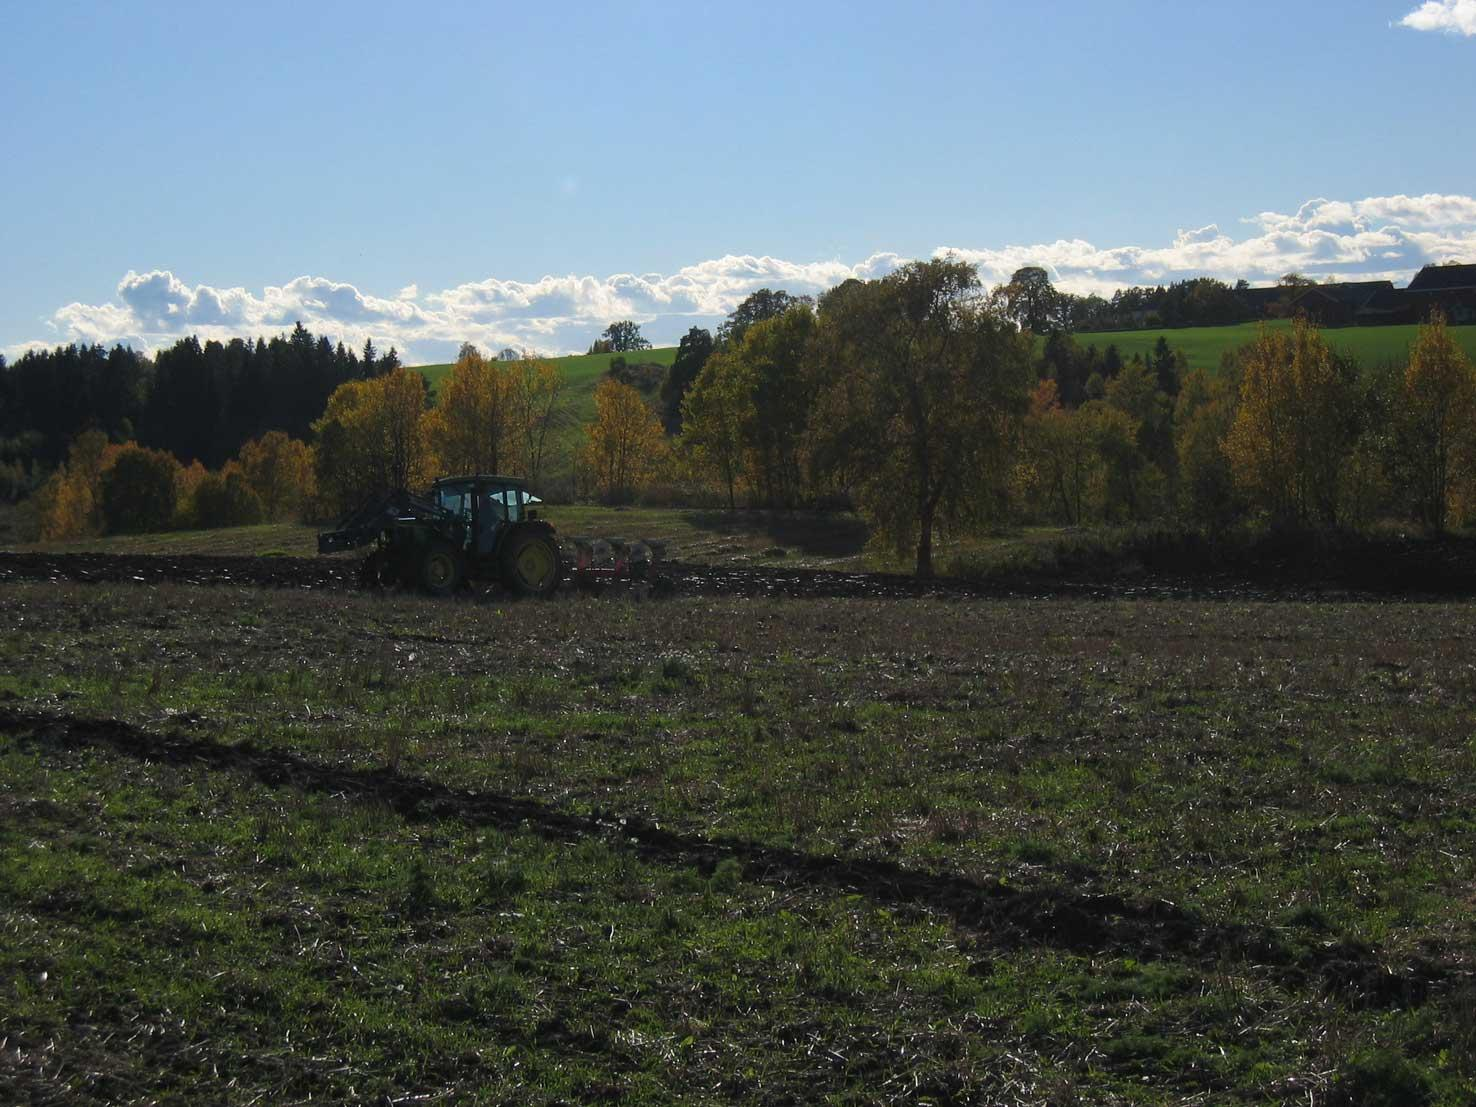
(1264, 801)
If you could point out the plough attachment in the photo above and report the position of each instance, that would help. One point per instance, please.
(596, 562)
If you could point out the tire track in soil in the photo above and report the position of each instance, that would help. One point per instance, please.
(993, 914)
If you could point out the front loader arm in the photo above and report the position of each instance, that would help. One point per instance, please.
(361, 527)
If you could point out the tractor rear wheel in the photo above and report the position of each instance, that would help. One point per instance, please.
(530, 564)
(440, 571)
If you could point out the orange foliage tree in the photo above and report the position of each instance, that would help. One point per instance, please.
(69, 502)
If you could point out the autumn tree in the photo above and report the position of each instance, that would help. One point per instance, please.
(1435, 424)
(924, 389)
(226, 499)
(1060, 449)
(1136, 393)
(279, 470)
(777, 355)
(187, 481)
(1294, 426)
(716, 411)
(63, 508)
(69, 502)
(539, 407)
(471, 429)
(372, 439)
(624, 446)
(1132, 487)
(1203, 415)
(138, 491)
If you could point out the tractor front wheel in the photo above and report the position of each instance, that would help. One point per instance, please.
(530, 564)
(440, 571)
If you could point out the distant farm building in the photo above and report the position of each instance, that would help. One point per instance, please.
(1449, 288)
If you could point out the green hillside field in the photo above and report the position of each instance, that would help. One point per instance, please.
(581, 373)
(1204, 346)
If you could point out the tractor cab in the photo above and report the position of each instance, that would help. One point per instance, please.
(488, 506)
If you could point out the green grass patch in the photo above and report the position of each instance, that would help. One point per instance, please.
(1205, 346)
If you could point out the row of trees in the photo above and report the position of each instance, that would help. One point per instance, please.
(493, 416)
(920, 398)
(373, 435)
(917, 397)
(903, 393)
(122, 488)
(1031, 301)
(197, 401)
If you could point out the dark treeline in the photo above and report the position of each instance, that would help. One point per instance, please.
(198, 401)
(1035, 304)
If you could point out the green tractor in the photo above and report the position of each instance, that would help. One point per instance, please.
(469, 530)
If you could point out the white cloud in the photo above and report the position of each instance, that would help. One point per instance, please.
(1455, 17)
(1378, 237)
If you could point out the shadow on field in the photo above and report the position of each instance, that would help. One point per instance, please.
(813, 533)
(999, 915)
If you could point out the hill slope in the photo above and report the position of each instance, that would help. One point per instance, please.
(1204, 346)
(581, 374)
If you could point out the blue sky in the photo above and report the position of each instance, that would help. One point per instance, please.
(522, 174)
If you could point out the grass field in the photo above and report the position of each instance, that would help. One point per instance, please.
(271, 846)
(1205, 345)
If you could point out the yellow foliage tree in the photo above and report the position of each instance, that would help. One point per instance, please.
(471, 426)
(1292, 431)
(280, 471)
(187, 480)
(1203, 415)
(1061, 451)
(1436, 431)
(624, 447)
(69, 502)
(538, 410)
(63, 507)
(372, 439)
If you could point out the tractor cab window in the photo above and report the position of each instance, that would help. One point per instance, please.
(508, 503)
(456, 499)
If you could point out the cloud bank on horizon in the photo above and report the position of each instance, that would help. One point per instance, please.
(1384, 237)
(1454, 17)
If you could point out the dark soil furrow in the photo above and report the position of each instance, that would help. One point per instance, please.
(996, 914)
(1415, 577)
